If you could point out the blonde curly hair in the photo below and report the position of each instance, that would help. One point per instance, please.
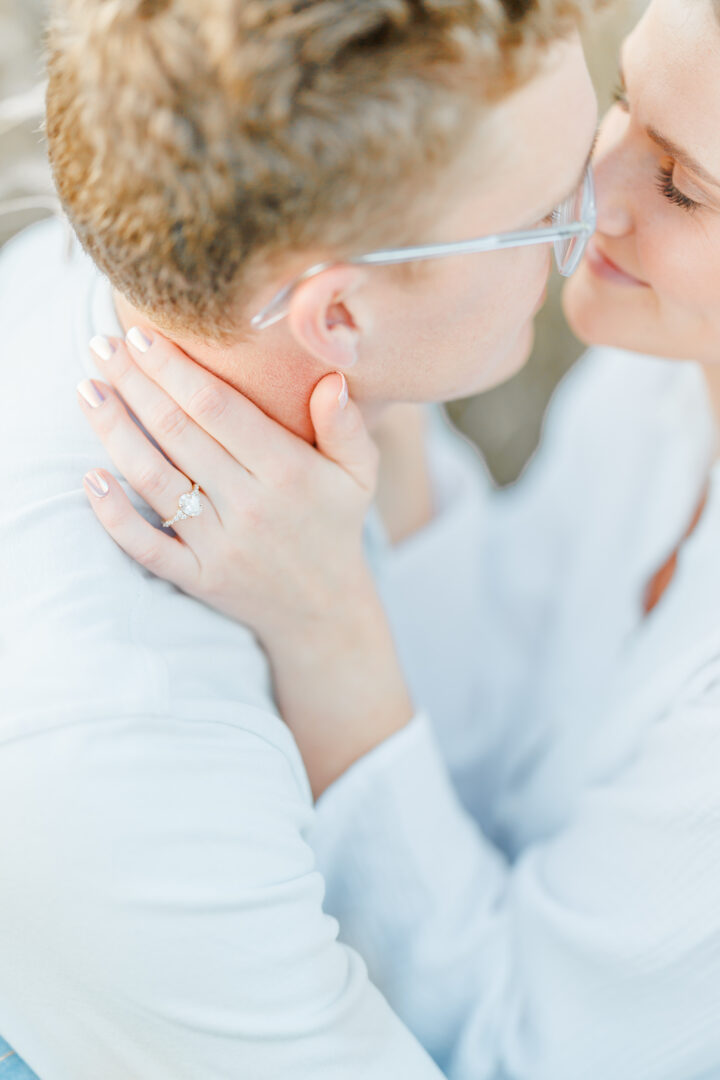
(194, 141)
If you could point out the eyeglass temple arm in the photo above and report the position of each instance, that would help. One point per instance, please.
(467, 247)
(275, 310)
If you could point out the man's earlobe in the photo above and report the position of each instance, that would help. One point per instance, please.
(322, 321)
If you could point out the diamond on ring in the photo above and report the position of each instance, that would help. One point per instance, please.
(189, 505)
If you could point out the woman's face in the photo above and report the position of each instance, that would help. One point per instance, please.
(650, 280)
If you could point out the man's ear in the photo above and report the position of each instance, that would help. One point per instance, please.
(321, 321)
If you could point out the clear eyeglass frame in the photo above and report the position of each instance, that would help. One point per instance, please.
(573, 223)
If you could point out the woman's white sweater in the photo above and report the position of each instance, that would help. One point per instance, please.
(531, 869)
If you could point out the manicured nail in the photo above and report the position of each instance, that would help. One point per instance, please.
(102, 347)
(90, 392)
(139, 340)
(97, 484)
(343, 395)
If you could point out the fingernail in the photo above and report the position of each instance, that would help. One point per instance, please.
(90, 392)
(343, 395)
(139, 340)
(102, 347)
(97, 484)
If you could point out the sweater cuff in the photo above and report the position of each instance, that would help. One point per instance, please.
(391, 755)
(394, 817)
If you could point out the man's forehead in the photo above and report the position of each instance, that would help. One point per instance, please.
(537, 142)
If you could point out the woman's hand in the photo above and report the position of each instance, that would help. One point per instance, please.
(279, 543)
(280, 535)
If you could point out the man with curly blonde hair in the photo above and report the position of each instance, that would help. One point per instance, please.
(161, 913)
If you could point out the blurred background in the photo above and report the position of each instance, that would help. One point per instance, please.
(505, 422)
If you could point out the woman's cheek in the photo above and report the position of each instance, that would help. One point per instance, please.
(685, 278)
(664, 261)
(681, 284)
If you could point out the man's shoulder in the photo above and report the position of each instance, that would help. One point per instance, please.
(41, 268)
(159, 683)
(139, 789)
(41, 249)
(87, 633)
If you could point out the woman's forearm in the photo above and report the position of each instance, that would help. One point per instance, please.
(339, 685)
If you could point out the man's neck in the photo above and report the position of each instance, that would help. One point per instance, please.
(280, 382)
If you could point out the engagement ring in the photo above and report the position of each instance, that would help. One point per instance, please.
(189, 505)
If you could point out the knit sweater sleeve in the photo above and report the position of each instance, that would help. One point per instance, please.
(595, 955)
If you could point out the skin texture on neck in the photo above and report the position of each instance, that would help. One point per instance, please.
(280, 383)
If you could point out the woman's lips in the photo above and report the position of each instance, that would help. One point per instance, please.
(605, 268)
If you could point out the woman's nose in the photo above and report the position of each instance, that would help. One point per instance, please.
(614, 187)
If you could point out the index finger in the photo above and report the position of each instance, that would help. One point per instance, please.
(253, 438)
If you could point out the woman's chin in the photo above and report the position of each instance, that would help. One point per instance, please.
(635, 320)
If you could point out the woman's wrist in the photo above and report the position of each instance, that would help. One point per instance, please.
(339, 684)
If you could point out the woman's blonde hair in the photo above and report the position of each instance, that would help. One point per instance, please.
(193, 141)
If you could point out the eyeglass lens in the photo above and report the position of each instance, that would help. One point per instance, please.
(579, 207)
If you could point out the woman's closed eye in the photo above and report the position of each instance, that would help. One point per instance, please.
(666, 186)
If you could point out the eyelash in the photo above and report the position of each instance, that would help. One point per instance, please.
(664, 178)
(667, 188)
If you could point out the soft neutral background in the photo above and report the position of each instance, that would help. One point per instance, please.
(504, 422)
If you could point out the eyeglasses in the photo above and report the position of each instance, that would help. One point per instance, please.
(573, 223)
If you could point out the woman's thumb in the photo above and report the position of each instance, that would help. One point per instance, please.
(340, 431)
